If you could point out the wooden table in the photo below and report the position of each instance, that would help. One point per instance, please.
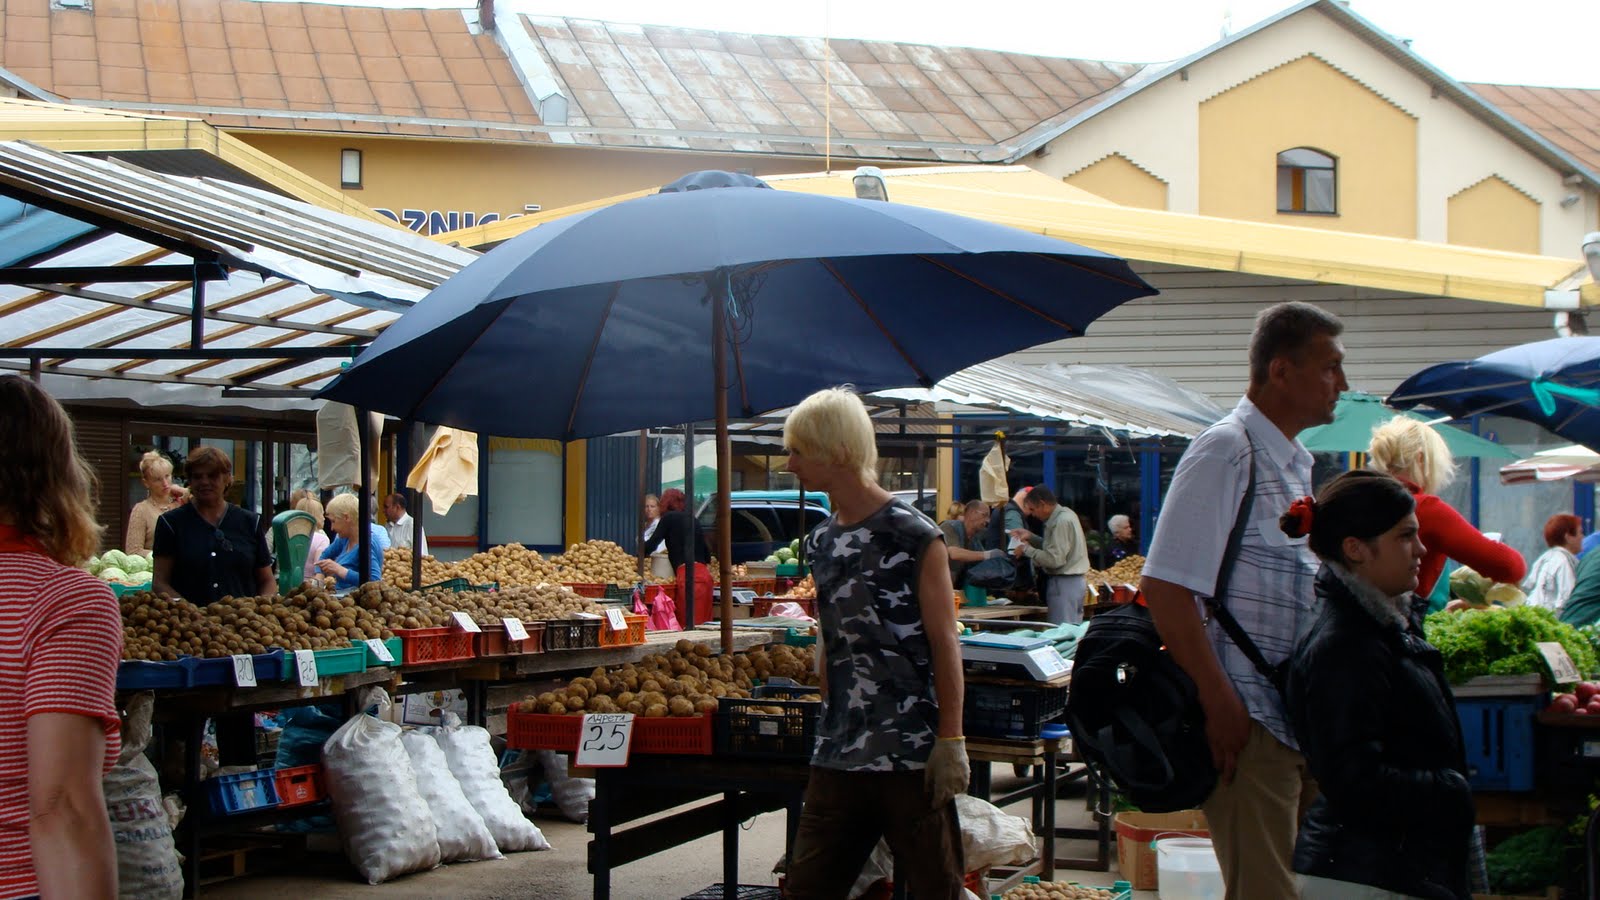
(970, 614)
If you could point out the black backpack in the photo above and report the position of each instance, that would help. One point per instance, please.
(1134, 713)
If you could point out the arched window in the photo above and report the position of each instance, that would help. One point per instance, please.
(1307, 182)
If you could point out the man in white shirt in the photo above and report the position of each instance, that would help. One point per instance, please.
(400, 523)
(1296, 375)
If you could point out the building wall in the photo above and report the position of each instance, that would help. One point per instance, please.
(1494, 214)
(1308, 103)
(1197, 329)
(434, 185)
(1159, 129)
(1119, 180)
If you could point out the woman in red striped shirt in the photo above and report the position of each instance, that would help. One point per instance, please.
(60, 643)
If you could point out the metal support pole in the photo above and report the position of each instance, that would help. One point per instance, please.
(644, 443)
(36, 370)
(364, 500)
(689, 620)
(405, 459)
(197, 318)
(720, 296)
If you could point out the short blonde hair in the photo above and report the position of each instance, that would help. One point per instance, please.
(832, 425)
(1412, 450)
(154, 463)
(310, 504)
(344, 506)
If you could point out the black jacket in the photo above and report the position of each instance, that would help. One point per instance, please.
(671, 530)
(1377, 724)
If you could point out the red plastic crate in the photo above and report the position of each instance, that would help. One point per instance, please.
(492, 641)
(299, 785)
(687, 735)
(594, 591)
(432, 645)
(763, 605)
(762, 586)
(632, 636)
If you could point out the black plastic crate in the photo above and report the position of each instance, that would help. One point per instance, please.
(745, 892)
(744, 730)
(1010, 711)
(572, 634)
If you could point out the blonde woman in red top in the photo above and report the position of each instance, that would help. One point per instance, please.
(60, 643)
(1414, 453)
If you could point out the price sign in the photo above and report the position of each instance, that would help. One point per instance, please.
(244, 670)
(465, 621)
(380, 650)
(603, 740)
(615, 619)
(514, 629)
(1562, 671)
(305, 663)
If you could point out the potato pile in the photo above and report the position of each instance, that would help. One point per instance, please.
(597, 562)
(432, 609)
(684, 682)
(805, 589)
(397, 569)
(1126, 571)
(1056, 890)
(509, 565)
(309, 618)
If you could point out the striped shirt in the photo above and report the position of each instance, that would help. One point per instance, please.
(60, 644)
(1273, 581)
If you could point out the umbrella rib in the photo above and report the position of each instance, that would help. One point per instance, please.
(588, 361)
(999, 293)
(922, 377)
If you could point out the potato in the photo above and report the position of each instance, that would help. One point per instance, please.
(655, 711)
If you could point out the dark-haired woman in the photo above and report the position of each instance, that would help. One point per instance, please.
(1372, 710)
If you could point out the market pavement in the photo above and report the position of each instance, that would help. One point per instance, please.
(561, 874)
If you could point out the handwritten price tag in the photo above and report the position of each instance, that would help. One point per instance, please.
(615, 619)
(244, 670)
(603, 740)
(466, 622)
(305, 663)
(380, 650)
(515, 630)
(1562, 670)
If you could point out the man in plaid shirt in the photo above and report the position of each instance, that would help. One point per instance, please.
(1296, 376)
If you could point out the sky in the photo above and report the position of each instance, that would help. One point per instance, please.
(1543, 42)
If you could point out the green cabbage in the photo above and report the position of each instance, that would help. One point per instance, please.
(94, 565)
(137, 564)
(113, 573)
(1468, 585)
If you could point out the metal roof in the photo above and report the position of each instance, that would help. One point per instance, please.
(105, 263)
(1023, 198)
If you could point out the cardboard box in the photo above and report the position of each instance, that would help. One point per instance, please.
(1137, 833)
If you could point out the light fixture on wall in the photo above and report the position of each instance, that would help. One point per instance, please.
(350, 168)
(869, 185)
(1570, 200)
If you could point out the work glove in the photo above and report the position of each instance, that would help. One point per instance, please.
(948, 772)
(994, 554)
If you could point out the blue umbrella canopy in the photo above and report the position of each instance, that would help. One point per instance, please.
(1554, 383)
(601, 322)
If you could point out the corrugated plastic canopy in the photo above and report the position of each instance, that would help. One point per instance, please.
(292, 275)
(1032, 201)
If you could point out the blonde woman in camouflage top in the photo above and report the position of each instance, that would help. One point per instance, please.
(890, 757)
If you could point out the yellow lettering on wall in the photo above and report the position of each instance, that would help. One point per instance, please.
(1120, 180)
(1308, 103)
(1494, 214)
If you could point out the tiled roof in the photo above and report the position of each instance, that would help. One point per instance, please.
(1566, 117)
(244, 64)
(706, 90)
(253, 62)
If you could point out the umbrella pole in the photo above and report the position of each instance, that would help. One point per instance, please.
(719, 361)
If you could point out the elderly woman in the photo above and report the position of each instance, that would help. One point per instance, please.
(1415, 454)
(208, 548)
(155, 472)
(341, 561)
(59, 649)
(1555, 572)
(1371, 708)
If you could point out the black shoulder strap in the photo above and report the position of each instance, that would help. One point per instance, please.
(1230, 556)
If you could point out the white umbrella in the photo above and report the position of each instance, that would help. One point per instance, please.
(1573, 461)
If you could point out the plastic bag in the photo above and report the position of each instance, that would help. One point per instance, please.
(463, 836)
(991, 836)
(473, 763)
(384, 824)
(147, 860)
(663, 612)
(572, 795)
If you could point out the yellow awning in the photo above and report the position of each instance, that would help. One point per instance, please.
(82, 129)
(1032, 201)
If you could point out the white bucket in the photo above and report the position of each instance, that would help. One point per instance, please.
(1186, 869)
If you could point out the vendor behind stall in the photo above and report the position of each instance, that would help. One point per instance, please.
(208, 548)
(341, 560)
(967, 541)
(676, 527)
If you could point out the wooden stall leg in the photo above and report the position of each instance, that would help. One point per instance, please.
(1048, 844)
(730, 845)
(194, 735)
(600, 826)
(978, 786)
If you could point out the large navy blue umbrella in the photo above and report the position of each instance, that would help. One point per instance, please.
(601, 322)
(1554, 383)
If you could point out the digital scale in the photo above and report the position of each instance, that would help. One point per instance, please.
(1009, 656)
(742, 596)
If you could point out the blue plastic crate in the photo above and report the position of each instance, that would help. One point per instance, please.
(1498, 733)
(141, 675)
(245, 792)
(219, 670)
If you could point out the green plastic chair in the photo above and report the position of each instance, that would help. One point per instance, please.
(291, 539)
